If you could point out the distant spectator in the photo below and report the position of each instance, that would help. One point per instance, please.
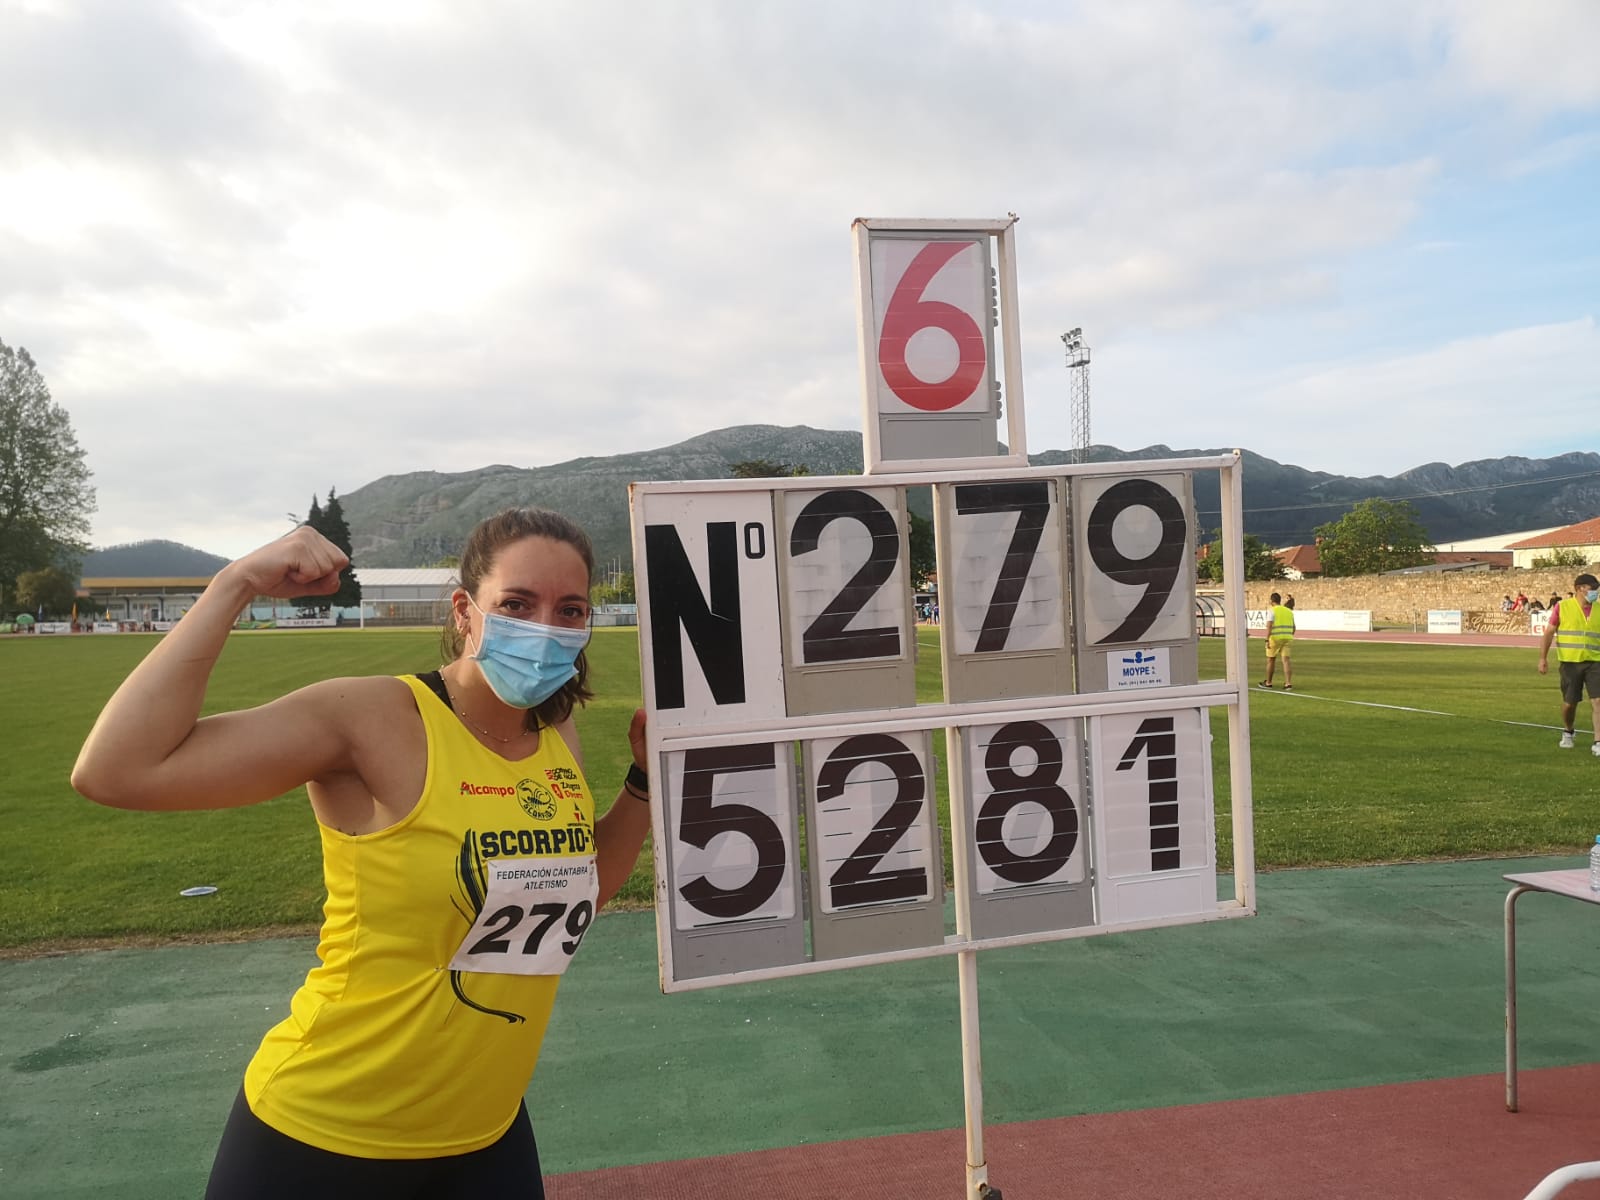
(1280, 639)
(1535, 606)
(1506, 605)
(1555, 602)
(1574, 627)
(1521, 604)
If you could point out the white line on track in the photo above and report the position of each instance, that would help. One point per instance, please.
(1430, 712)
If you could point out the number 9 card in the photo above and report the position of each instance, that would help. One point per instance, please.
(1133, 556)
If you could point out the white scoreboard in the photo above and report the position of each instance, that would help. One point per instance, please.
(795, 781)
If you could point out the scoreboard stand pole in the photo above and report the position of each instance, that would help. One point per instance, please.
(978, 1186)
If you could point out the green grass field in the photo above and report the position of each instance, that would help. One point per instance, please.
(1335, 783)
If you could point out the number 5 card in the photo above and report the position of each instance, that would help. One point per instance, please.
(733, 872)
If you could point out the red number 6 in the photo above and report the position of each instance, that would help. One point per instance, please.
(907, 314)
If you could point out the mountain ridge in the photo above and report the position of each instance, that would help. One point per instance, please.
(413, 520)
(420, 517)
(151, 558)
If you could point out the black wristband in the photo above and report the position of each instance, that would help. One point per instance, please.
(637, 781)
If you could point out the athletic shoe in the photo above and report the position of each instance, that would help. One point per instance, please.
(1268, 686)
(1566, 740)
(1288, 687)
(1595, 749)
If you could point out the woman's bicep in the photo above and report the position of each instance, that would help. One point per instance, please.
(238, 758)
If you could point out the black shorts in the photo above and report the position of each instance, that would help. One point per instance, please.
(256, 1162)
(1575, 676)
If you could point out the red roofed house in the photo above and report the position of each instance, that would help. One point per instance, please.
(1303, 562)
(1583, 537)
(1300, 562)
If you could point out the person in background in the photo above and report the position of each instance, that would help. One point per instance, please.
(1280, 637)
(1574, 628)
(460, 848)
(1506, 604)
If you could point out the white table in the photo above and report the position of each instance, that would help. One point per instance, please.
(1575, 886)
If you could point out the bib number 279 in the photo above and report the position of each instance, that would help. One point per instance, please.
(535, 913)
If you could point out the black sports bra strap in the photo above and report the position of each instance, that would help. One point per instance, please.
(435, 682)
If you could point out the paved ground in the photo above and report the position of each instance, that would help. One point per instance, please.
(116, 1067)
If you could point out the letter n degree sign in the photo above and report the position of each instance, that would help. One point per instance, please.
(939, 332)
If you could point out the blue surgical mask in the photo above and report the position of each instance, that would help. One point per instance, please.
(1592, 595)
(526, 663)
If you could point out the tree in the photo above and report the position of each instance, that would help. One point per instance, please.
(45, 495)
(49, 591)
(924, 561)
(1261, 561)
(330, 523)
(619, 589)
(1376, 535)
(338, 532)
(315, 520)
(760, 468)
(1566, 556)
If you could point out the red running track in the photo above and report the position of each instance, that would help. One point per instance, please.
(1449, 1139)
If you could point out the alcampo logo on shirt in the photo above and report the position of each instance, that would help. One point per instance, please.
(486, 789)
(535, 798)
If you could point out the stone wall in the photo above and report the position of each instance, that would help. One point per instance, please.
(1404, 599)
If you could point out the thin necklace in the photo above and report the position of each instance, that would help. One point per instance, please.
(471, 724)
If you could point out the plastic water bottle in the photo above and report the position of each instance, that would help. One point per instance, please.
(1594, 865)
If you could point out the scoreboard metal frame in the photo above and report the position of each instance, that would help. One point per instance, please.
(795, 826)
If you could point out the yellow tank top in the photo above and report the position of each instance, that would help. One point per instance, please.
(387, 1051)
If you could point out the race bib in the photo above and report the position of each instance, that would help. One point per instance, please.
(534, 916)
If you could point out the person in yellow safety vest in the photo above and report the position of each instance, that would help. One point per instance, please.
(1574, 627)
(1280, 636)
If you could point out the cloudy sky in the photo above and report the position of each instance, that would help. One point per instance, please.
(260, 250)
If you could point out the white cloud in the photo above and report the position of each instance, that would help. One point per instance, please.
(1512, 392)
(523, 232)
(1518, 384)
(1540, 56)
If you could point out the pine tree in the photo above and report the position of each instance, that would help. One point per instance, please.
(337, 531)
(329, 522)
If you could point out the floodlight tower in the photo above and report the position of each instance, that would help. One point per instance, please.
(1078, 391)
